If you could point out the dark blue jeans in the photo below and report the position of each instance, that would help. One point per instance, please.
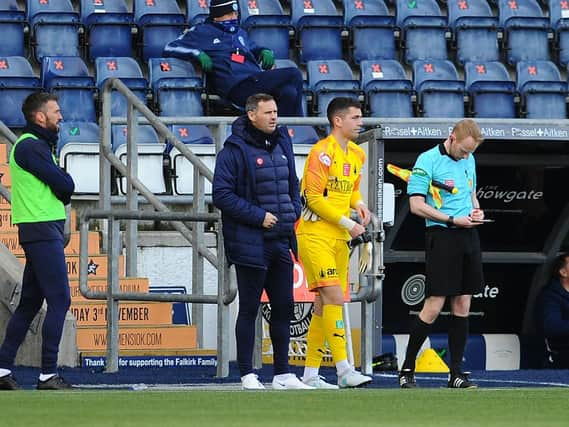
(277, 281)
(284, 84)
(45, 277)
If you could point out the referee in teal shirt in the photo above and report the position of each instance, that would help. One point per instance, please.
(452, 247)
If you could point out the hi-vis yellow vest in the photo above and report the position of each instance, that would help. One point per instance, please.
(32, 199)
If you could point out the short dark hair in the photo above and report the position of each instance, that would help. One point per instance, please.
(253, 101)
(340, 105)
(35, 102)
(558, 264)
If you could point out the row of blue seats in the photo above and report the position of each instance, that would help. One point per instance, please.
(437, 90)
(521, 25)
(175, 89)
(162, 168)
(88, 133)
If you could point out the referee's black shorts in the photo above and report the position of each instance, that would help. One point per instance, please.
(453, 262)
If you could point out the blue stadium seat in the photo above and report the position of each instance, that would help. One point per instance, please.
(440, 93)
(191, 134)
(17, 81)
(542, 90)
(388, 90)
(145, 134)
(526, 30)
(10, 11)
(371, 29)
(267, 24)
(54, 28)
(475, 30)
(159, 22)
(78, 150)
(176, 87)
(301, 134)
(197, 11)
(77, 132)
(12, 24)
(108, 25)
(288, 63)
(423, 28)
(318, 29)
(150, 157)
(559, 22)
(202, 145)
(328, 80)
(129, 72)
(68, 77)
(490, 89)
(303, 138)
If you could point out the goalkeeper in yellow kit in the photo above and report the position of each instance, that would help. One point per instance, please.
(330, 187)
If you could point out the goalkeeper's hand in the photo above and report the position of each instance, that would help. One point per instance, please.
(365, 257)
(309, 215)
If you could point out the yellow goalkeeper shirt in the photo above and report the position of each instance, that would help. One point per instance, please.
(331, 186)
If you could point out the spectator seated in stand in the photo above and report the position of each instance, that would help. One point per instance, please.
(552, 314)
(231, 60)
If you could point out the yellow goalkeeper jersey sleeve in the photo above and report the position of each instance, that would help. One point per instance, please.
(330, 184)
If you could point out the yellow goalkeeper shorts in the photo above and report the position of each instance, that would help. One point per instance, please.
(325, 261)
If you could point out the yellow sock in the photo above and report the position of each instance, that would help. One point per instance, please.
(333, 322)
(315, 342)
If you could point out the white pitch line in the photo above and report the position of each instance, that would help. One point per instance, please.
(483, 380)
(162, 387)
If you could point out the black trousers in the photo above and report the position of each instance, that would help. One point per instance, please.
(45, 277)
(277, 281)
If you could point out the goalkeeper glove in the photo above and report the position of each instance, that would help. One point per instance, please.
(267, 59)
(205, 62)
(365, 257)
(307, 214)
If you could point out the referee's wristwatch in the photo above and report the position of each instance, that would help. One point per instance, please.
(450, 221)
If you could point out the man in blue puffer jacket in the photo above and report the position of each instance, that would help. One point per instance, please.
(231, 61)
(256, 188)
(552, 313)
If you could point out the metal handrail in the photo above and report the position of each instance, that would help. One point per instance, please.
(226, 288)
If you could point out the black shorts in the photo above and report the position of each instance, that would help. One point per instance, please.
(454, 262)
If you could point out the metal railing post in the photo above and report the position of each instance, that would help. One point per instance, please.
(104, 164)
(197, 259)
(132, 192)
(112, 301)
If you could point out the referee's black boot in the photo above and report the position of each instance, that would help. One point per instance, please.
(407, 379)
(54, 383)
(8, 382)
(460, 380)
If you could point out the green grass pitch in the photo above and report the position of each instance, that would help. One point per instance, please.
(374, 407)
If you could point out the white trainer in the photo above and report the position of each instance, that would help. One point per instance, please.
(319, 383)
(251, 382)
(353, 378)
(289, 382)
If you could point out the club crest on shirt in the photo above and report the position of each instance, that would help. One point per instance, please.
(259, 161)
(346, 170)
(325, 159)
